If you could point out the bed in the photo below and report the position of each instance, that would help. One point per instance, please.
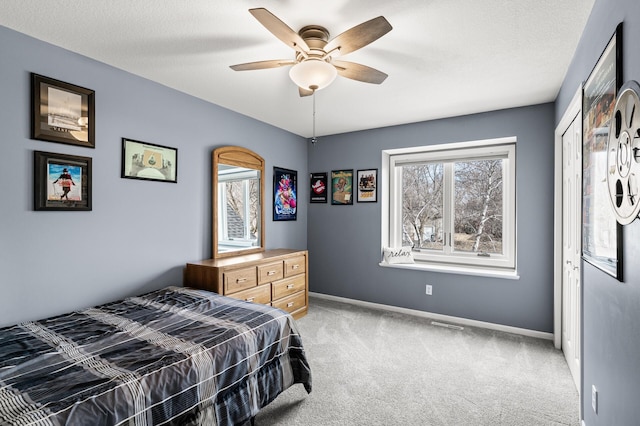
(176, 356)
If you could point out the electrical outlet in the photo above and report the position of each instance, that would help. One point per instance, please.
(429, 290)
(594, 398)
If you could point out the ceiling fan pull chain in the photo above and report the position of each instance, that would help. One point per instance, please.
(313, 138)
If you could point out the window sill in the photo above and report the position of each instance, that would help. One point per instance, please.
(479, 272)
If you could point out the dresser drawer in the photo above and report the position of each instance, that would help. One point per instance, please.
(270, 272)
(260, 294)
(239, 279)
(290, 303)
(282, 288)
(295, 265)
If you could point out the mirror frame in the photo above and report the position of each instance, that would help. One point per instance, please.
(241, 157)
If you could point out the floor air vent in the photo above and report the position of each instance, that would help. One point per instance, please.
(451, 326)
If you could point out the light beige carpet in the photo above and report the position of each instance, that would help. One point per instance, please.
(374, 367)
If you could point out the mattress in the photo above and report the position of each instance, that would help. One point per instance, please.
(172, 356)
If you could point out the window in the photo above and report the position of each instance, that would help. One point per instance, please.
(454, 204)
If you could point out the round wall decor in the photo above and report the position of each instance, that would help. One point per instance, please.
(623, 154)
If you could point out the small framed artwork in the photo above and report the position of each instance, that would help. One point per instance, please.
(342, 187)
(285, 194)
(62, 112)
(367, 185)
(148, 161)
(61, 182)
(318, 183)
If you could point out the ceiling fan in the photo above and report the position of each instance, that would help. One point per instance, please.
(314, 66)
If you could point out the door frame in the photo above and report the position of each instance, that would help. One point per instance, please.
(575, 106)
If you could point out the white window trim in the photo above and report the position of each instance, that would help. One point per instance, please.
(458, 269)
(499, 266)
(222, 213)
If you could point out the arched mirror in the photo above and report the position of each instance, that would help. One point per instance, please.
(238, 196)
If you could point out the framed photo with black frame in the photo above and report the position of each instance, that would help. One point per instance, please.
(61, 182)
(285, 194)
(318, 187)
(62, 112)
(601, 232)
(367, 185)
(342, 187)
(149, 161)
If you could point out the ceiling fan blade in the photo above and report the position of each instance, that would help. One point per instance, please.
(359, 72)
(359, 36)
(280, 29)
(304, 92)
(261, 65)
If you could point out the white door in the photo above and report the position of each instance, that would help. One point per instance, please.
(571, 244)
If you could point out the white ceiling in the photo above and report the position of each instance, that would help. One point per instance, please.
(444, 57)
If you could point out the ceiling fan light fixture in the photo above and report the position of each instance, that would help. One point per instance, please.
(313, 74)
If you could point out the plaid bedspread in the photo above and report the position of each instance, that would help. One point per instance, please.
(173, 356)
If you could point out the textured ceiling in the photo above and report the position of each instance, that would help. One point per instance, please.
(444, 57)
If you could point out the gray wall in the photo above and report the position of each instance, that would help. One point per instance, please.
(611, 309)
(344, 241)
(140, 233)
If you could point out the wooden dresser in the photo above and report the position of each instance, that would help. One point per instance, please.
(273, 277)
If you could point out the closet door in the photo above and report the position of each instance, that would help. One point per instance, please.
(571, 245)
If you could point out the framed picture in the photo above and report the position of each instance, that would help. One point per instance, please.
(61, 182)
(367, 185)
(285, 194)
(342, 187)
(62, 112)
(148, 161)
(318, 187)
(601, 232)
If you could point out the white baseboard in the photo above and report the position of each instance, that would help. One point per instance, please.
(438, 317)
